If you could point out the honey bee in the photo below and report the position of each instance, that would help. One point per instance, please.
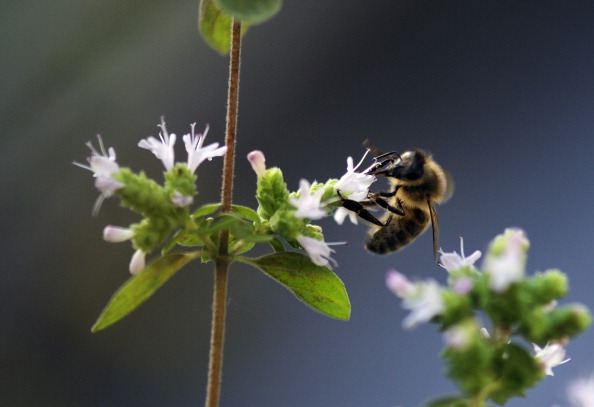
(417, 184)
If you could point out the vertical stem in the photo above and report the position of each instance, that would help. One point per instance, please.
(219, 301)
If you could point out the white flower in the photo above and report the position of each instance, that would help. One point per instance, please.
(116, 234)
(308, 205)
(138, 261)
(507, 267)
(163, 149)
(550, 356)
(318, 251)
(355, 185)
(258, 162)
(454, 261)
(103, 165)
(424, 299)
(180, 200)
(424, 305)
(341, 213)
(196, 153)
(580, 392)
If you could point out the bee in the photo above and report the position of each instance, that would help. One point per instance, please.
(417, 184)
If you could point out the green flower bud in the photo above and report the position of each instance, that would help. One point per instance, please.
(457, 307)
(272, 193)
(548, 286)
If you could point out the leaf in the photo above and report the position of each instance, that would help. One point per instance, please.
(253, 11)
(140, 287)
(247, 213)
(316, 286)
(277, 245)
(206, 209)
(215, 26)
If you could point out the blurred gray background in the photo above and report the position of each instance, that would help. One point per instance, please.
(502, 93)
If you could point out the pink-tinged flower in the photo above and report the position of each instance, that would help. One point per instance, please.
(400, 285)
(308, 205)
(163, 149)
(117, 234)
(462, 285)
(180, 200)
(424, 300)
(507, 265)
(580, 392)
(196, 153)
(457, 337)
(454, 261)
(258, 162)
(138, 262)
(550, 356)
(355, 185)
(318, 251)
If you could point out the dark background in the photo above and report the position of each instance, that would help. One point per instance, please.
(502, 93)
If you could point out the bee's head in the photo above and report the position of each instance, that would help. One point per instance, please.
(408, 166)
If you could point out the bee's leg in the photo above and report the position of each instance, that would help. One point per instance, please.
(360, 210)
(378, 199)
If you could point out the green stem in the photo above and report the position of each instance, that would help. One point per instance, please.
(219, 301)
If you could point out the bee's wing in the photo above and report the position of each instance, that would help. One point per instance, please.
(434, 227)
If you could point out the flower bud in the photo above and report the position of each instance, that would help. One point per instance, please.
(258, 162)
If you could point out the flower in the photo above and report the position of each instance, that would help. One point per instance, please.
(180, 200)
(457, 337)
(103, 165)
(580, 392)
(319, 252)
(196, 153)
(117, 234)
(399, 284)
(258, 162)
(454, 261)
(163, 149)
(138, 261)
(550, 356)
(506, 265)
(308, 205)
(424, 299)
(341, 213)
(424, 305)
(355, 185)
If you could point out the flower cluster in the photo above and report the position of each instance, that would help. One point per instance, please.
(164, 208)
(289, 214)
(492, 364)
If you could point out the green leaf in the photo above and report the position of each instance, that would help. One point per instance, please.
(277, 245)
(215, 26)
(316, 286)
(140, 287)
(206, 209)
(247, 213)
(253, 11)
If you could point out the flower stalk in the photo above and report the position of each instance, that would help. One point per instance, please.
(222, 263)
